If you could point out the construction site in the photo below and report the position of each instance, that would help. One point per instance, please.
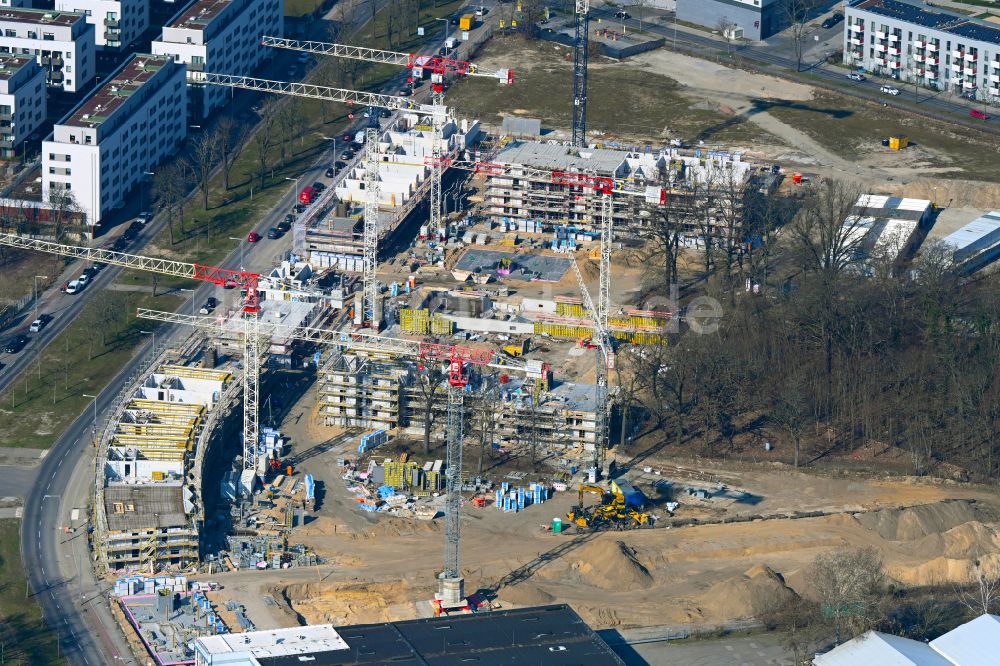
(416, 410)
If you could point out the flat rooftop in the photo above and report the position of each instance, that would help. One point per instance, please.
(893, 208)
(199, 15)
(40, 16)
(934, 18)
(276, 643)
(560, 157)
(979, 228)
(552, 635)
(12, 64)
(113, 94)
(144, 507)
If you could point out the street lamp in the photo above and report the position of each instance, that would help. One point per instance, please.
(94, 397)
(44, 277)
(241, 249)
(152, 333)
(446, 26)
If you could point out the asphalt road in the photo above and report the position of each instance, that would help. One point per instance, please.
(17, 480)
(932, 104)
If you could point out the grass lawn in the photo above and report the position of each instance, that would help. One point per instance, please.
(301, 7)
(82, 359)
(846, 126)
(622, 99)
(26, 639)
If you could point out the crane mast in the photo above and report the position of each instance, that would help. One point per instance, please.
(369, 307)
(581, 46)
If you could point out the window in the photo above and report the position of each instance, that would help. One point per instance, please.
(32, 34)
(10, 33)
(48, 37)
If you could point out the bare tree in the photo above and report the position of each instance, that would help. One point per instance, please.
(64, 209)
(727, 28)
(850, 585)
(429, 384)
(982, 596)
(169, 191)
(797, 14)
(203, 158)
(264, 138)
(230, 136)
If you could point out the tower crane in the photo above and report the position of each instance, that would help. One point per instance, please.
(439, 68)
(377, 100)
(218, 276)
(581, 46)
(452, 586)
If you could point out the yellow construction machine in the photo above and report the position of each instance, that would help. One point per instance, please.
(611, 510)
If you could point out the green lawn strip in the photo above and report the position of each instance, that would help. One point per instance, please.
(301, 7)
(26, 638)
(47, 397)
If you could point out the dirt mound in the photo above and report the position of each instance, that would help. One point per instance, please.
(354, 603)
(525, 594)
(612, 565)
(742, 596)
(916, 522)
(970, 540)
(975, 194)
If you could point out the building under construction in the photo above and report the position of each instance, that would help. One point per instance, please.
(538, 193)
(148, 509)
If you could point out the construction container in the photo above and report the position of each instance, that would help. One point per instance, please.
(557, 525)
(466, 22)
(899, 142)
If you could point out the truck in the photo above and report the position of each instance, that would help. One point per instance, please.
(466, 21)
(306, 195)
(359, 137)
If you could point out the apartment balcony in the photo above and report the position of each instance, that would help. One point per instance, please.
(6, 115)
(893, 37)
(46, 60)
(994, 78)
(881, 47)
(881, 35)
(856, 42)
(894, 51)
(969, 71)
(957, 55)
(956, 67)
(971, 57)
(932, 61)
(969, 85)
(919, 44)
(111, 23)
(7, 143)
(881, 62)
(895, 64)
(56, 76)
(918, 57)
(931, 46)
(112, 36)
(857, 27)
(196, 66)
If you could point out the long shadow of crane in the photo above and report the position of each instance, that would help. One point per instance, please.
(526, 571)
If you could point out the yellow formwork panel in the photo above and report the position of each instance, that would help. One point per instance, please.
(570, 310)
(155, 429)
(195, 373)
(562, 330)
(167, 407)
(414, 321)
(442, 326)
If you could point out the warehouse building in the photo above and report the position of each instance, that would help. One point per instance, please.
(62, 42)
(117, 23)
(976, 244)
(881, 227)
(22, 101)
(750, 19)
(102, 148)
(554, 635)
(219, 36)
(934, 47)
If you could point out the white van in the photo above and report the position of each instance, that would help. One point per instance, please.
(73, 287)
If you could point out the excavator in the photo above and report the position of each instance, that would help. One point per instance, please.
(612, 510)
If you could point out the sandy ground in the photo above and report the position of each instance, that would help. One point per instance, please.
(382, 568)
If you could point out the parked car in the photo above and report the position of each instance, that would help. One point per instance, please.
(405, 92)
(622, 14)
(338, 165)
(284, 227)
(144, 217)
(273, 233)
(40, 323)
(84, 280)
(209, 305)
(856, 76)
(16, 343)
(347, 137)
(100, 266)
(318, 186)
(253, 237)
(299, 208)
(976, 113)
(289, 218)
(832, 20)
(330, 172)
(73, 287)
(889, 90)
(385, 113)
(120, 245)
(347, 155)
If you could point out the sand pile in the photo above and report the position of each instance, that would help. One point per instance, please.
(916, 522)
(971, 193)
(739, 596)
(611, 565)
(354, 603)
(525, 594)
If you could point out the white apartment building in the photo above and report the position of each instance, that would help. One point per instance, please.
(913, 41)
(62, 42)
(221, 36)
(102, 148)
(117, 23)
(22, 101)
